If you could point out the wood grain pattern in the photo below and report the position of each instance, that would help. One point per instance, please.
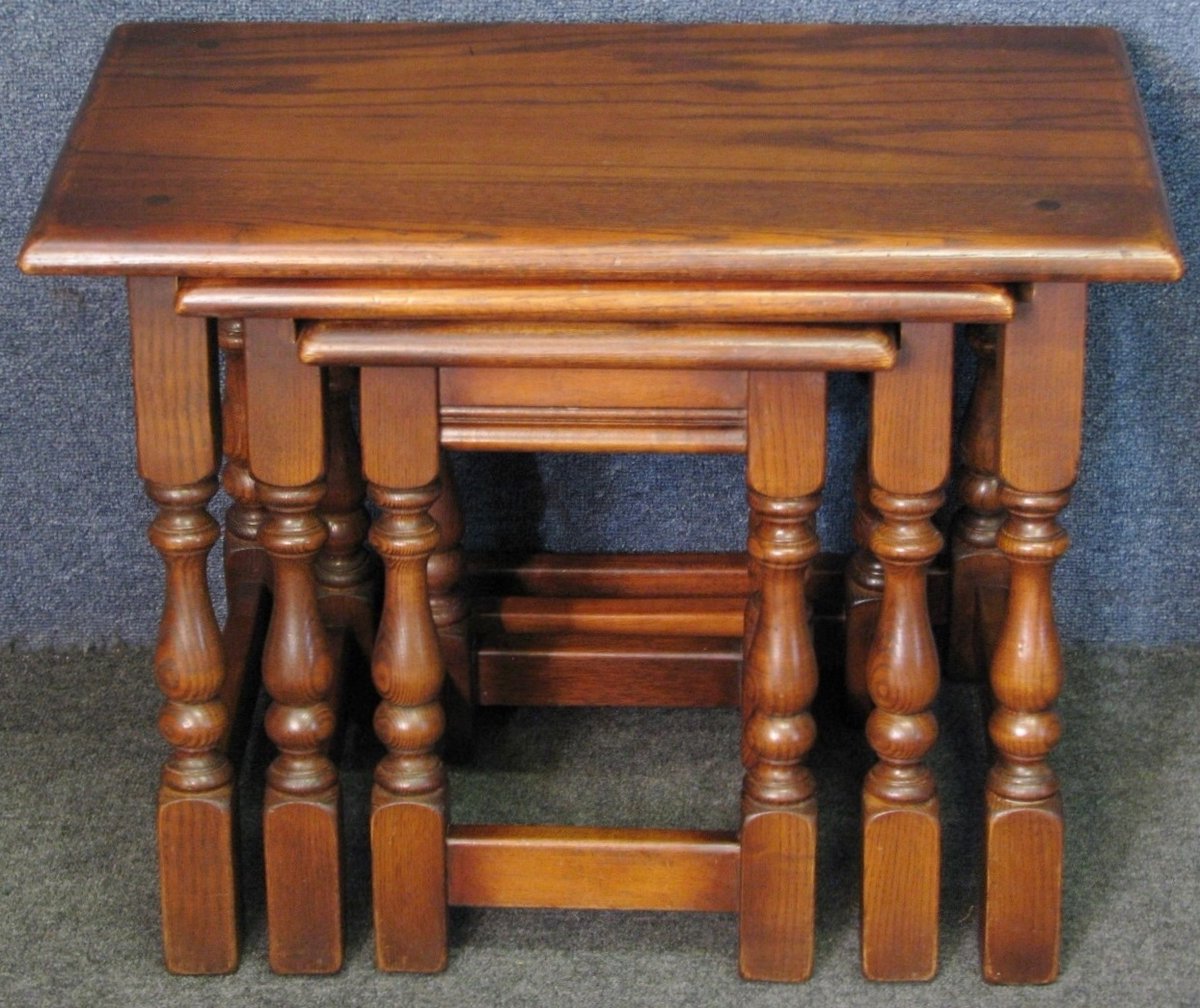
(593, 868)
(304, 890)
(1042, 348)
(785, 466)
(863, 594)
(595, 388)
(720, 151)
(979, 568)
(174, 387)
(1022, 912)
(197, 880)
(785, 425)
(570, 429)
(835, 346)
(611, 670)
(452, 611)
(300, 806)
(609, 575)
(408, 876)
(613, 302)
(910, 412)
(175, 395)
(676, 617)
(286, 429)
(402, 401)
(398, 417)
(909, 453)
(776, 919)
(901, 872)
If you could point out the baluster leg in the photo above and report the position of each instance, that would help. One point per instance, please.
(451, 615)
(784, 473)
(175, 400)
(909, 463)
(979, 570)
(408, 802)
(1041, 405)
(247, 566)
(300, 806)
(346, 583)
(864, 590)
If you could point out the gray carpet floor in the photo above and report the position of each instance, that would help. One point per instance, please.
(78, 910)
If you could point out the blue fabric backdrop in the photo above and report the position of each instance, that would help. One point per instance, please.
(76, 568)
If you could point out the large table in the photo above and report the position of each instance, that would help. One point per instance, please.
(605, 238)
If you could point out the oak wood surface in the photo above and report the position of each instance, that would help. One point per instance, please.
(612, 670)
(812, 152)
(595, 388)
(592, 868)
(1023, 825)
(174, 387)
(301, 845)
(612, 302)
(714, 617)
(842, 347)
(785, 469)
(174, 381)
(408, 800)
(909, 460)
(571, 429)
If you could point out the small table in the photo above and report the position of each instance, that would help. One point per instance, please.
(593, 184)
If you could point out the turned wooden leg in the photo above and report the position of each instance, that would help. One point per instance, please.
(175, 395)
(1041, 403)
(450, 615)
(408, 802)
(864, 590)
(345, 571)
(300, 806)
(784, 474)
(909, 463)
(247, 566)
(979, 571)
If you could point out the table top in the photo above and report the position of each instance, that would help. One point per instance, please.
(614, 151)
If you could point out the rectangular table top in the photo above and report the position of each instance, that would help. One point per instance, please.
(614, 151)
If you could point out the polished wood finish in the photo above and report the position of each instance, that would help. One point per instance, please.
(839, 346)
(509, 429)
(247, 566)
(593, 869)
(1023, 830)
(408, 802)
(461, 390)
(785, 466)
(245, 515)
(174, 383)
(345, 570)
(674, 617)
(511, 167)
(760, 199)
(451, 612)
(621, 630)
(612, 670)
(609, 575)
(863, 594)
(300, 807)
(612, 302)
(910, 406)
(980, 569)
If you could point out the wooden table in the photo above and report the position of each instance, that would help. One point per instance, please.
(467, 206)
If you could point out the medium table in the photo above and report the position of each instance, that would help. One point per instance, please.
(603, 236)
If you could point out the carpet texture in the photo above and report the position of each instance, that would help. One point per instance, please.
(78, 899)
(78, 572)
